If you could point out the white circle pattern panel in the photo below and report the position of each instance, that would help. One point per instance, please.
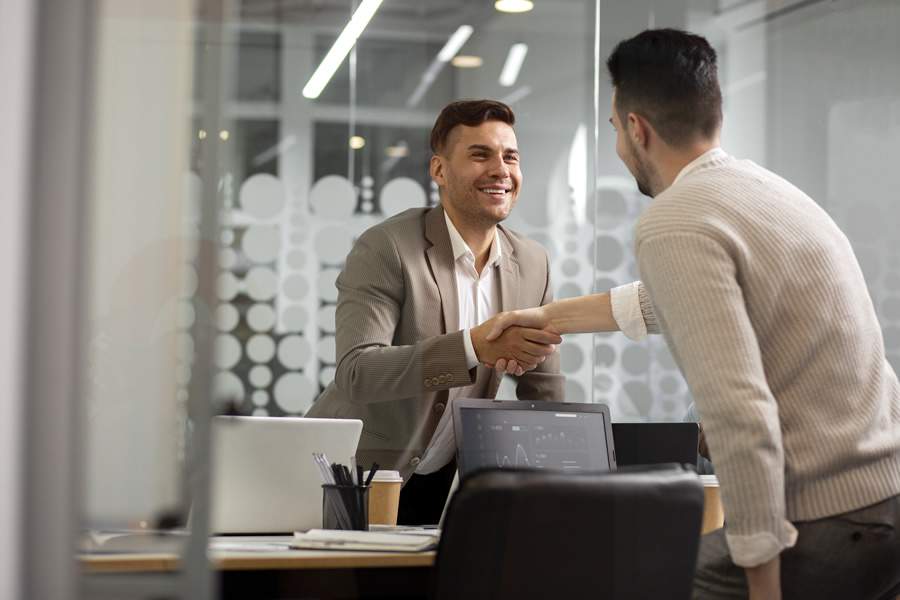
(295, 286)
(327, 284)
(227, 351)
(260, 348)
(325, 349)
(261, 317)
(227, 317)
(260, 398)
(294, 318)
(332, 245)
(326, 318)
(261, 243)
(293, 352)
(228, 258)
(261, 283)
(227, 286)
(260, 376)
(294, 393)
(227, 386)
(260, 412)
(296, 259)
(333, 197)
(185, 314)
(326, 375)
(400, 194)
(262, 196)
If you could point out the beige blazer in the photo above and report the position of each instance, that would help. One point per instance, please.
(399, 348)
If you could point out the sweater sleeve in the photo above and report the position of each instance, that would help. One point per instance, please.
(693, 282)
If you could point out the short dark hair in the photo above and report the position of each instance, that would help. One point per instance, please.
(669, 77)
(470, 113)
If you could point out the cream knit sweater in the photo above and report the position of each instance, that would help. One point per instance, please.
(764, 307)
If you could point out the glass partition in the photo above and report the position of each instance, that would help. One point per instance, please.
(811, 91)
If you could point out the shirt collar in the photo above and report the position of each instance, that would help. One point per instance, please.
(709, 156)
(461, 248)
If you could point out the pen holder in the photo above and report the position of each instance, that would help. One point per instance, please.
(345, 507)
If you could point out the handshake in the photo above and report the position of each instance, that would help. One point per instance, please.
(515, 342)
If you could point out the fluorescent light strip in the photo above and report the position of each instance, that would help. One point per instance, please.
(513, 64)
(456, 41)
(341, 48)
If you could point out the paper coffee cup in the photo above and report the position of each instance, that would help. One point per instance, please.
(384, 497)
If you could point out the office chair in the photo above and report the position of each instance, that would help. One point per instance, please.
(522, 535)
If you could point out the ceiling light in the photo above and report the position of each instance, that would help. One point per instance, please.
(224, 135)
(513, 64)
(513, 6)
(399, 150)
(201, 134)
(357, 142)
(465, 61)
(454, 43)
(341, 48)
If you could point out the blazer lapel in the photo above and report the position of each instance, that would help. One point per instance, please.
(508, 274)
(440, 258)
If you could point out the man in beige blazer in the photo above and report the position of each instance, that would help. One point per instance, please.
(401, 350)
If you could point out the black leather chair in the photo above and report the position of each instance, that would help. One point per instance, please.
(539, 535)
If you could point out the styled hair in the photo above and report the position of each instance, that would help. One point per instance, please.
(470, 113)
(670, 78)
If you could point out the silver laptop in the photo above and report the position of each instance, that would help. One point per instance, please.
(264, 479)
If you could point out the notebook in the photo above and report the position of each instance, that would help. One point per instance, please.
(264, 479)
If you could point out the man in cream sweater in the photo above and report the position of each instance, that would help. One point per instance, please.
(764, 307)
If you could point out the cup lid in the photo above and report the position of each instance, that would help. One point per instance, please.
(386, 476)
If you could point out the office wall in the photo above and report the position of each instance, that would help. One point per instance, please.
(16, 60)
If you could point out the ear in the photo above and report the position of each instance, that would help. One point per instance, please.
(638, 130)
(436, 170)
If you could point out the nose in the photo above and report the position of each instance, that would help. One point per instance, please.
(499, 168)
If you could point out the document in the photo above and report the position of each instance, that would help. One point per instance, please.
(331, 539)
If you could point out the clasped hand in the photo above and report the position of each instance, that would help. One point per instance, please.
(515, 342)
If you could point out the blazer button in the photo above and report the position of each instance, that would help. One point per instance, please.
(415, 461)
(439, 408)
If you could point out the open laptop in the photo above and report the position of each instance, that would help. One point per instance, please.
(264, 479)
(565, 436)
(654, 443)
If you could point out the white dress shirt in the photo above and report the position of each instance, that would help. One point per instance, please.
(478, 298)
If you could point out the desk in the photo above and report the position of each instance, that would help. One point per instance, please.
(318, 573)
(289, 573)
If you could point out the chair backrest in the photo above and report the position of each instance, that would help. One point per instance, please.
(532, 534)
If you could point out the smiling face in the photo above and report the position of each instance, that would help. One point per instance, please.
(478, 174)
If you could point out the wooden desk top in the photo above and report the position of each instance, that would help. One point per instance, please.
(231, 560)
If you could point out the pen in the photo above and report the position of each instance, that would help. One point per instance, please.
(371, 473)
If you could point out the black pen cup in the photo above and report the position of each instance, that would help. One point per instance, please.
(345, 507)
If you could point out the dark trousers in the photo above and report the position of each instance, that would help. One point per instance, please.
(852, 556)
(422, 498)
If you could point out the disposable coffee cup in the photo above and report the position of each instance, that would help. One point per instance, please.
(384, 497)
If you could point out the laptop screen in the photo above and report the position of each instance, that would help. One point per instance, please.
(538, 435)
